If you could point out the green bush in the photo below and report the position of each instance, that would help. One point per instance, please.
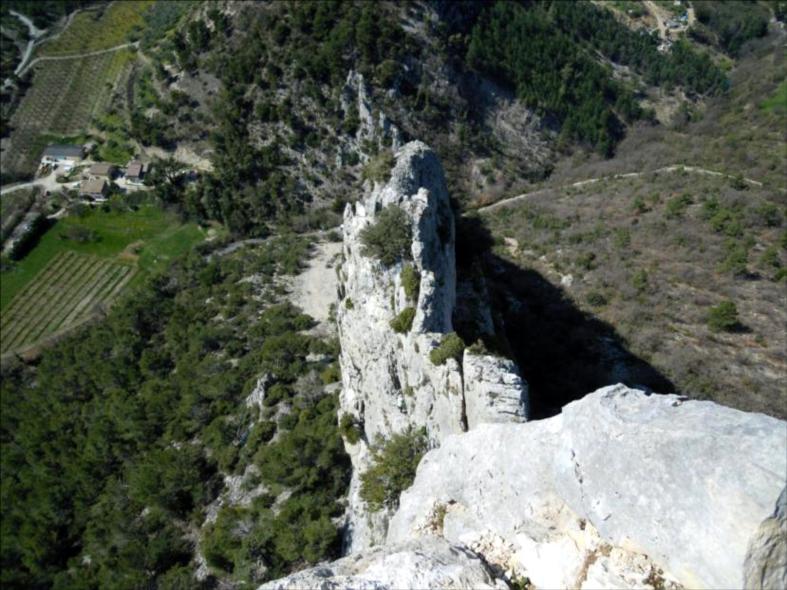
(736, 260)
(349, 429)
(331, 374)
(378, 168)
(402, 323)
(348, 303)
(395, 463)
(596, 299)
(723, 317)
(640, 280)
(276, 393)
(451, 347)
(411, 281)
(676, 206)
(390, 237)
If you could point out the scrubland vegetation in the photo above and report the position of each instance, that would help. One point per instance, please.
(652, 258)
(393, 470)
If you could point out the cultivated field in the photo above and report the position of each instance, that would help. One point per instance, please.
(63, 99)
(148, 238)
(68, 290)
(97, 29)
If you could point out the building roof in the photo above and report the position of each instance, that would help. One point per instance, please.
(61, 150)
(134, 168)
(93, 186)
(101, 169)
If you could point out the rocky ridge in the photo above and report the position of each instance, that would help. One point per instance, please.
(388, 381)
(623, 489)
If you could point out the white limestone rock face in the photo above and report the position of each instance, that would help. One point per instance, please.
(389, 384)
(620, 490)
(388, 381)
(356, 98)
(494, 391)
(766, 561)
(424, 564)
(687, 482)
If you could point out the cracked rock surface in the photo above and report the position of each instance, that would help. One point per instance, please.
(640, 483)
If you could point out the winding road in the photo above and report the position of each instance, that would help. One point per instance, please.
(665, 169)
(78, 55)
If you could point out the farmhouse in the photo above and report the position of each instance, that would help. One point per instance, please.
(134, 172)
(101, 170)
(95, 188)
(64, 154)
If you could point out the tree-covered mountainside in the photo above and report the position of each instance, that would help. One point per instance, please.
(279, 118)
(115, 445)
(547, 51)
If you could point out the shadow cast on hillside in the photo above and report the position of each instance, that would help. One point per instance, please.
(563, 352)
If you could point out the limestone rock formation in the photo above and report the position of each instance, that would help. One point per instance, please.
(356, 100)
(766, 561)
(619, 487)
(389, 382)
(423, 564)
(622, 490)
(494, 391)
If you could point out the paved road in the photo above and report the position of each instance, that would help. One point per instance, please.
(666, 169)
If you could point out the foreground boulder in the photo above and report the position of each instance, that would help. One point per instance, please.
(622, 490)
(419, 565)
(644, 489)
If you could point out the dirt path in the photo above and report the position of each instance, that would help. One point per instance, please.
(666, 169)
(314, 290)
(78, 55)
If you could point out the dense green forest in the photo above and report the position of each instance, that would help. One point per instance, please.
(317, 42)
(732, 22)
(547, 52)
(114, 444)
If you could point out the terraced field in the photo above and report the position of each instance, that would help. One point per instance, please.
(64, 97)
(67, 291)
(97, 29)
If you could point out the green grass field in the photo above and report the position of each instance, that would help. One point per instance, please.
(778, 102)
(147, 239)
(94, 30)
(67, 290)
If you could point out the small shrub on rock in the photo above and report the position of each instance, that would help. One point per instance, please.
(349, 429)
(390, 237)
(402, 323)
(451, 347)
(411, 282)
(331, 374)
(596, 299)
(393, 471)
(378, 168)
